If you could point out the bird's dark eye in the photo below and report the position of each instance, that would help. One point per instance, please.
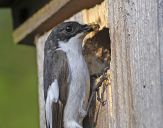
(69, 29)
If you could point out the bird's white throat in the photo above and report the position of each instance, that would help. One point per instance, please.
(74, 44)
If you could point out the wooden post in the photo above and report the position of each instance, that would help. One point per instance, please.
(135, 63)
(40, 41)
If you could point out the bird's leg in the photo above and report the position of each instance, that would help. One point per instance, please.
(98, 95)
(101, 97)
(83, 110)
(96, 89)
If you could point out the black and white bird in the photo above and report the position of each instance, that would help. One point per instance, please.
(66, 76)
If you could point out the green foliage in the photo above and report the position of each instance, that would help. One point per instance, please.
(18, 80)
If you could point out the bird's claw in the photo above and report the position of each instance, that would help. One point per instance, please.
(82, 113)
(96, 89)
(103, 102)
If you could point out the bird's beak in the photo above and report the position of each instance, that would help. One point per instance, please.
(90, 27)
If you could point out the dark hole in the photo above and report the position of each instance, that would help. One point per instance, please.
(144, 86)
(103, 39)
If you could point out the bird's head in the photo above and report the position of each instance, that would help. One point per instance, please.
(67, 35)
(67, 30)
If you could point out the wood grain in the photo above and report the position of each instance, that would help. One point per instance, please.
(135, 64)
(40, 57)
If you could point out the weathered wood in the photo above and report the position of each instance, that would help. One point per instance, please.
(40, 41)
(135, 64)
(47, 17)
(160, 26)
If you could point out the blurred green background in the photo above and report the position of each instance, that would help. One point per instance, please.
(18, 80)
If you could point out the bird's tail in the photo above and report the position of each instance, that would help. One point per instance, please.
(54, 115)
(48, 113)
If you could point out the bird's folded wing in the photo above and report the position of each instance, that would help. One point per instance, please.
(55, 87)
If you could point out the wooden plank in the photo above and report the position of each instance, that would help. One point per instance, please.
(47, 17)
(38, 19)
(40, 57)
(135, 64)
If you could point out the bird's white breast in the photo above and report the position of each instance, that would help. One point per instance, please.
(80, 80)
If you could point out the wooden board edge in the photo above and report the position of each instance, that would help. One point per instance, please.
(51, 14)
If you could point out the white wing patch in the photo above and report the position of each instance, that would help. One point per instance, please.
(52, 96)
